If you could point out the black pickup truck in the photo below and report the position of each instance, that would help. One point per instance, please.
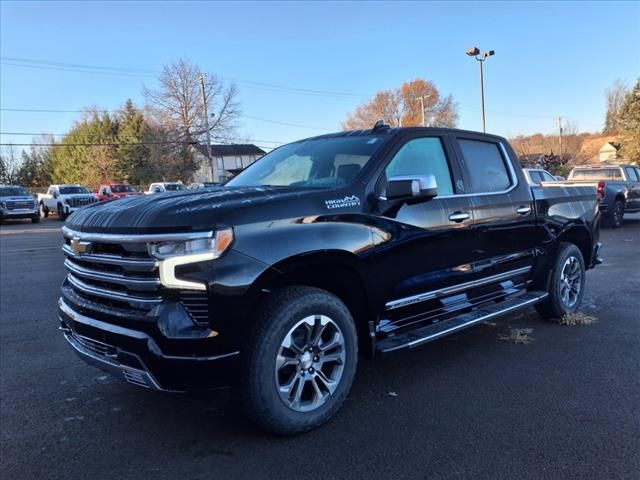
(374, 241)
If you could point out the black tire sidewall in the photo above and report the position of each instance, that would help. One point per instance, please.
(44, 210)
(555, 297)
(265, 405)
(617, 206)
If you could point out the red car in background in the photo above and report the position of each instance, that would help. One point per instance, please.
(113, 191)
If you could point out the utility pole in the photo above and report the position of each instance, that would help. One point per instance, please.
(206, 125)
(484, 126)
(560, 131)
(421, 99)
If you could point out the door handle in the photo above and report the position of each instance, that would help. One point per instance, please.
(459, 217)
(523, 210)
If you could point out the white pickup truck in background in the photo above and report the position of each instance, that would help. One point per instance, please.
(64, 200)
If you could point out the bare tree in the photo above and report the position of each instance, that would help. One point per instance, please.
(10, 163)
(403, 106)
(179, 100)
(615, 99)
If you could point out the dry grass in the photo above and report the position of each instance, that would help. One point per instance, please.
(518, 336)
(577, 318)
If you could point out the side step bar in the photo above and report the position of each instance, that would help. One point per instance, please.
(426, 334)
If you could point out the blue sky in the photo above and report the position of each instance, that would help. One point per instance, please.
(551, 58)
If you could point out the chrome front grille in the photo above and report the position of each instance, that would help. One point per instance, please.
(81, 201)
(116, 273)
(20, 204)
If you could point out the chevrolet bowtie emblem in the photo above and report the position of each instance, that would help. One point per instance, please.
(79, 247)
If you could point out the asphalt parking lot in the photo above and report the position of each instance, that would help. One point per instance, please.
(565, 406)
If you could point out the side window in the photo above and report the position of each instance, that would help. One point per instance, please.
(535, 176)
(486, 166)
(547, 177)
(631, 173)
(421, 157)
(638, 173)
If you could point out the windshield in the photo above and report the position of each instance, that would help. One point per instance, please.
(122, 188)
(172, 187)
(596, 174)
(72, 190)
(13, 192)
(321, 163)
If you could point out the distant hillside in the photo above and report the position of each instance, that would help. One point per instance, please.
(579, 148)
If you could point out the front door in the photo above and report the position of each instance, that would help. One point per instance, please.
(433, 245)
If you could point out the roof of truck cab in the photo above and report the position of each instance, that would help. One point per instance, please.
(400, 130)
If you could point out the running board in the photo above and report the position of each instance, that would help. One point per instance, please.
(429, 333)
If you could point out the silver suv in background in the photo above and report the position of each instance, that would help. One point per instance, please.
(16, 202)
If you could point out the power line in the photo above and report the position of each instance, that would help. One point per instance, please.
(41, 110)
(128, 72)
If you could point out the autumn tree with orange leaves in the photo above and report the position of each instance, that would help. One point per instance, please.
(401, 108)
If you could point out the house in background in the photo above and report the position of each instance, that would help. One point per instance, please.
(609, 152)
(227, 161)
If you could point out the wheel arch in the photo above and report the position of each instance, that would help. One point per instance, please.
(338, 272)
(581, 238)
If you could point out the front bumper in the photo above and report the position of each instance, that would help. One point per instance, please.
(17, 214)
(134, 356)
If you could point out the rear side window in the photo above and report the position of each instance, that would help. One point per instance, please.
(423, 156)
(631, 173)
(596, 174)
(486, 166)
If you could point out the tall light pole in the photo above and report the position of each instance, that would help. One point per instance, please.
(206, 125)
(481, 57)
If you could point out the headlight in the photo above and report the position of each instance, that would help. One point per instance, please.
(173, 254)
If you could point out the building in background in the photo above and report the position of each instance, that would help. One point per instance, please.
(609, 152)
(227, 161)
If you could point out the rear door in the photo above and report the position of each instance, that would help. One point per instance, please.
(505, 232)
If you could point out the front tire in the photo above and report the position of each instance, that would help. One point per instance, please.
(44, 211)
(61, 213)
(35, 219)
(566, 288)
(300, 360)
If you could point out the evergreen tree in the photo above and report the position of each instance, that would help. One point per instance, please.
(629, 122)
(132, 161)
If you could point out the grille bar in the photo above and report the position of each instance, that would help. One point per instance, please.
(112, 294)
(131, 264)
(134, 283)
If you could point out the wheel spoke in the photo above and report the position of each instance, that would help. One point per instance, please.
(330, 385)
(332, 357)
(287, 387)
(331, 344)
(320, 324)
(284, 361)
(318, 395)
(299, 390)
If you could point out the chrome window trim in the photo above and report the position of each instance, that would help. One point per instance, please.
(510, 170)
(441, 292)
(134, 238)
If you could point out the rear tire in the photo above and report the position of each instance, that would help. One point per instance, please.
(566, 288)
(300, 360)
(615, 218)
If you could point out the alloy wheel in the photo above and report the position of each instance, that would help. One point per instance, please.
(570, 281)
(310, 363)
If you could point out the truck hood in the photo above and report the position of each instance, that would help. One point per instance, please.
(177, 211)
